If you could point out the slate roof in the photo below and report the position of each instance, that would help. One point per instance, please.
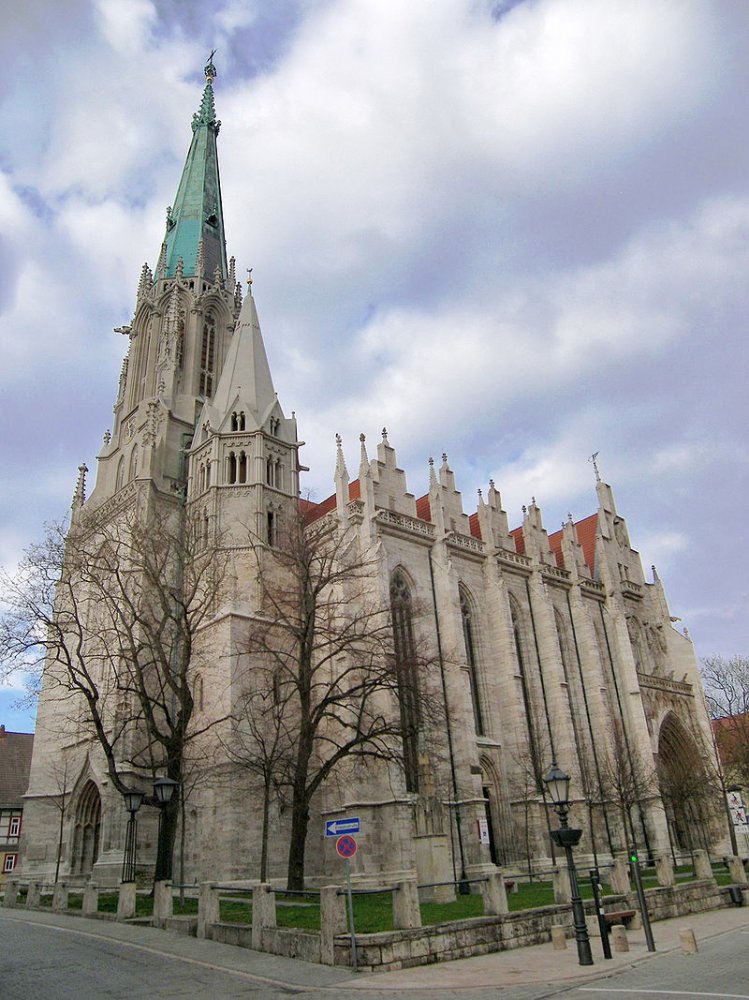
(15, 764)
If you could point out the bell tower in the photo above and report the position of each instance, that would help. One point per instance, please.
(181, 331)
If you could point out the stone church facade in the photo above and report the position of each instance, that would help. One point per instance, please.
(542, 646)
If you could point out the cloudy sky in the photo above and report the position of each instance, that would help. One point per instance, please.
(513, 230)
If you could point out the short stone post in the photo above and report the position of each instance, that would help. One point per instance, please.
(60, 897)
(11, 895)
(688, 941)
(90, 905)
(619, 937)
(664, 870)
(737, 870)
(263, 912)
(619, 880)
(332, 921)
(34, 895)
(163, 902)
(209, 909)
(558, 937)
(495, 894)
(406, 911)
(561, 883)
(702, 866)
(126, 901)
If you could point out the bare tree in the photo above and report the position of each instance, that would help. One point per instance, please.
(328, 686)
(628, 779)
(105, 616)
(726, 683)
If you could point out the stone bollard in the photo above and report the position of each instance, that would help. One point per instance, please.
(163, 902)
(90, 905)
(263, 912)
(558, 937)
(494, 894)
(561, 883)
(406, 911)
(688, 941)
(209, 909)
(11, 895)
(702, 866)
(664, 870)
(619, 880)
(126, 901)
(619, 937)
(34, 895)
(60, 897)
(737, 870)
(332, 921)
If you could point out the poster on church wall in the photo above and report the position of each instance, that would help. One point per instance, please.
(483, 827)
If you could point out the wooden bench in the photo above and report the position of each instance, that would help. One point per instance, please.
(619, 917)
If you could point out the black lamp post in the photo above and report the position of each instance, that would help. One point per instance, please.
(163, 790)
(133, 801)
(558, 784)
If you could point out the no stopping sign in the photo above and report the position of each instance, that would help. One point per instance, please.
(346, 846)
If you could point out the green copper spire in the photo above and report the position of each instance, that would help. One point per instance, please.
(197, 214)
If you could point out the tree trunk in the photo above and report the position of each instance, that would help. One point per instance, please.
(264, 835)
(297, 844)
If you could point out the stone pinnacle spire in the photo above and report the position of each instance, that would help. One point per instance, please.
(197, 213)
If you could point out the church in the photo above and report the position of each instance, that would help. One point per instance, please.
(537, 648)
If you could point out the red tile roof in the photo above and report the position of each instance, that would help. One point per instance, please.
(586, 536)
(517, 534)
(312, 511)
(15, 764)
(473, 523)
(423, 508)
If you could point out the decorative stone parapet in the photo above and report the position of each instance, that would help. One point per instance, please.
(332, 921)
(406, 911)
(209, 908)
(263, 912)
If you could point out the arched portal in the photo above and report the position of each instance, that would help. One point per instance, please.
(684, 785)
(86, 830)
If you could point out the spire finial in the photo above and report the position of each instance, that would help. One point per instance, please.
(249, 278)
(592, 459)
(432, 474)
(206, 113)
(79, 496)
(210, 69)
(385, 435)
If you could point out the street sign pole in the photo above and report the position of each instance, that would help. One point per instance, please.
(352, 928)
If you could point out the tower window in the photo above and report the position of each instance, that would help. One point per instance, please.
(232, 469)
(271, 528)
(208, 357)
(242, 467)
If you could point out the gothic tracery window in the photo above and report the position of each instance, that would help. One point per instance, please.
(469, 638)
(401, 610)
(208, 357)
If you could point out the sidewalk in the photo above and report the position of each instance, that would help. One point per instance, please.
(541, 964)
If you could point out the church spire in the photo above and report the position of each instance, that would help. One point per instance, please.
(197, 213)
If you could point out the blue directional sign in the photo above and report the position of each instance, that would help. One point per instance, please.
(335, 827)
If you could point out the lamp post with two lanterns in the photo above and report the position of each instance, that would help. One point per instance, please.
(163, 791)
(558, 785)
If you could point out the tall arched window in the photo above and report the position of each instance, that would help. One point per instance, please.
(242, 467)
(469, 638)
(231, 471)
(405, 661)
(119, 482)
(133, 463)
(208, 357)
(517, 630)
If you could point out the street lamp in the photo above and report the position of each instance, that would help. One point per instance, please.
(558, 785)
(133, 801)
(163, 790)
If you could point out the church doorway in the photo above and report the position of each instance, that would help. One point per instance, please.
(86, 830)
